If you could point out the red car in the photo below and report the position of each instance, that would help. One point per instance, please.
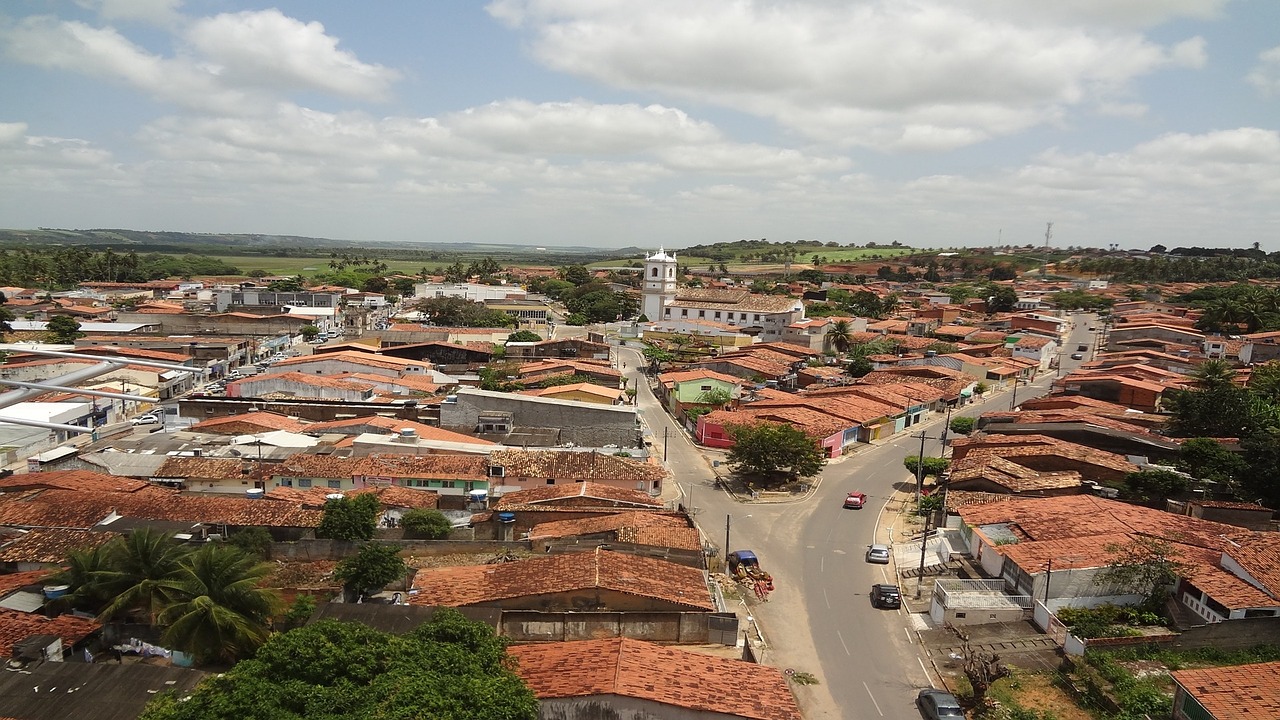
(855, 500)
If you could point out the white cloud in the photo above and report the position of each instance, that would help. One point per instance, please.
(236, 64)
(920, 75)
(1117, 13)
(268, 49)
(159, 12)
(1266, 74)
(578, 127)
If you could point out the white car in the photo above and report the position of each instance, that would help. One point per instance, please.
(146, 420)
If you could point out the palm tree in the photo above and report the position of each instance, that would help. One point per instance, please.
(82, 572)
(1214, 374)
(140, 566)
(219, 609)
(840, 335)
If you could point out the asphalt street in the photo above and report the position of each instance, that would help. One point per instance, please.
(820, 619)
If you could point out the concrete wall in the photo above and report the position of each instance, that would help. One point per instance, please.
(584, 424)
(615, 707)
(188, 324)
(689, 628)
(1232, 634)
(313, 410)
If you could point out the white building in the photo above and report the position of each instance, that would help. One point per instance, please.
(659, 284)
(476, 292)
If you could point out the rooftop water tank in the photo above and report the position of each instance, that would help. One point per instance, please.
(506, 517)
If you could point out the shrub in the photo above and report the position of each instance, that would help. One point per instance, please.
(962, 425)
(253, 541)
(426, 524)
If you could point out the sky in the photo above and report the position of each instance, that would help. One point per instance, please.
(603, 123)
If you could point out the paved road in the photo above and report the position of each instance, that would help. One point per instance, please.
(819, 620)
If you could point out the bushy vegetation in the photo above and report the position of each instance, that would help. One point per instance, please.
(1108, 620)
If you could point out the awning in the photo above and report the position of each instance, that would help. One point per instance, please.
(966, 393)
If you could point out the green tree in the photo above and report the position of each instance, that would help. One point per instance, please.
(350, 519)
(83, 571)
(254, 541)
(300, 610)
(63, 329)
(774, 450)
(6, 315)
(218, 611)
(524, 336)
(456, 273)
(858, 367)
(934, 466)
(1002, 300)
(309, 332)
(139, 572)
(962, 425)
(1150, 485)
(291, 284)
(1145, 565)
(840, 335)
(426, 523)
(374, 567)
(578, 275)
(715, 396)
(449, 668)
(1214, 374)
(1208, 459)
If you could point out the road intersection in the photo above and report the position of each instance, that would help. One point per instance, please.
(820, 619)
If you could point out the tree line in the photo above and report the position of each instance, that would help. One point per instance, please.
(64, 267)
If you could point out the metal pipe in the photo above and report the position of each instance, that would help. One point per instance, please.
(47, 425)
(124, 360)
(78, 391)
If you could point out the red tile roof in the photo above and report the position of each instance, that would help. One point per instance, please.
(51, 546)
(657, 673)
(642, 528)
(392, 426)
(1235, 692)
(551, 495)
(563, 573)
(17, 626)
(73, 480)
(17, 581)
(237, 424)
(574, 466)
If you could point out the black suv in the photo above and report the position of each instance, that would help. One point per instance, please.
(885, 596)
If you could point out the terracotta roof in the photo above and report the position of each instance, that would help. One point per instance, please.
(51, 546)
(354, 357)
(1076, 516)
(205, 467)
(1235, 692)
(444, 467)
(262, 419)
(391, 496)
(73, 480)
(1016, 478)
(414, 383)
(84, 509)
(550, 366)
(589, 388)
(657, 673)
(575, 466)
(17, 626)
(551, 495)
(637, 527)
(563, 573)
(19, 580)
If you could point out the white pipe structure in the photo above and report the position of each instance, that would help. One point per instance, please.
(79, 391)
(105, 365)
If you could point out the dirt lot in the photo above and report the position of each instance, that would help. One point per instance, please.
(1036, 691)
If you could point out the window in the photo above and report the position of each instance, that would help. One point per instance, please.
(756, 318)
(704, 388)
(551, 481)
(335, 484)
(717, 315)
(304, 482)
(448, 483)
(702, 313)
(655, 272)
(683, 313)
(742, 316)
(960, 616)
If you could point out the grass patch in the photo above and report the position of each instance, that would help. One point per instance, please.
(1036, 696)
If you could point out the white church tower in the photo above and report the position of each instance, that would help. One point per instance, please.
(659, 283)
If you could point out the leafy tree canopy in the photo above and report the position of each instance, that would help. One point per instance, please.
(770, 449)
(374, 567)
(460, 312)
(426, 523)
(63, 329)
(524, 336)
(449, 668)
(350, 519)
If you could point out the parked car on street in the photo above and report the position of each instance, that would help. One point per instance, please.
(147, 419)
(878, 554)
(938, 704)
(855, 500)
(885, 596)
(1077, 356)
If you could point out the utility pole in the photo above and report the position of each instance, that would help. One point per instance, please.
(1013, 402)
(946, 427)
(924, 543)
(666, 431)
(920, 468)
(727, 519)
(1048, 575)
